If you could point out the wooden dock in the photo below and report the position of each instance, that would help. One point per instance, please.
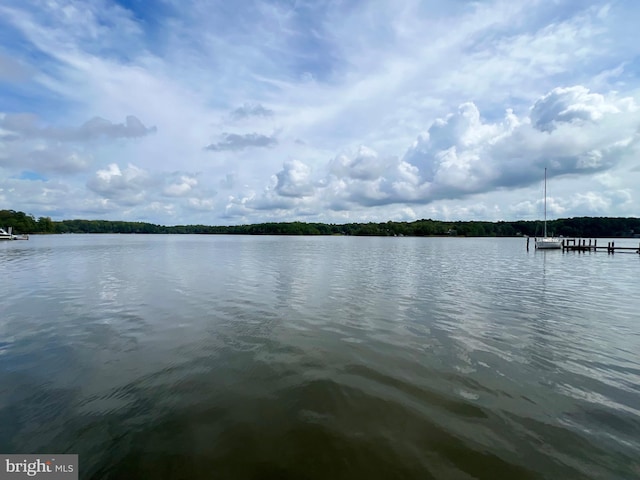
(581, 245)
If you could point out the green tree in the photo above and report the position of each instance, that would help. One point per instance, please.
(45, 225)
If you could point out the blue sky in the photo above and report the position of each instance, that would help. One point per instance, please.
(221, 112)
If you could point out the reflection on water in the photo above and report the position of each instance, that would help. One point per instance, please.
(284, 357)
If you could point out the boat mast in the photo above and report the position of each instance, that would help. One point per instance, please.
(545, 202)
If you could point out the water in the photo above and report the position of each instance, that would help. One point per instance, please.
(320, 357)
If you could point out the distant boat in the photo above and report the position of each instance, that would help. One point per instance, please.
(546, 242)
(8, 235)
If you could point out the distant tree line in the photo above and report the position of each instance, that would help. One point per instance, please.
(568, 227)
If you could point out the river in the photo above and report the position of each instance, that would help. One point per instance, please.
(245, 357)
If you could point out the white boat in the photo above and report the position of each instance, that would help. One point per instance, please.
(8, 235)
(4, 235)
(547, 242)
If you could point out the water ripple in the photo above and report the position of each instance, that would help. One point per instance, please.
(251, 357)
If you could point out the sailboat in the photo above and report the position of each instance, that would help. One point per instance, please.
(546, 242)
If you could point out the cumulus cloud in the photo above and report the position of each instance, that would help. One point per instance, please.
(568, 130)
(367, 178)
(234, 142)
(26, 143)
(452, 154)
(161, 192)
(181, 186)
(269, 203)
(294, 180)
(201, 204)
(366, 165)
(123, 186)
(567, 105)
(314, 89)
(463, 154)
(587, 203)
(291, 190)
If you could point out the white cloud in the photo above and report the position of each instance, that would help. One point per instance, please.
(27, 144)
(126, 187)
(568, 105)
(204, 204)
(294, 180)
(460, 105)
(181, 187)
(463, 154)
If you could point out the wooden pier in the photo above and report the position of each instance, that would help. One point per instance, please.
(581, 245)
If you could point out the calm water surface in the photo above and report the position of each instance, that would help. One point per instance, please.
(233, 357)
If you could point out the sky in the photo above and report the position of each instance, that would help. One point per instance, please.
(222, 113)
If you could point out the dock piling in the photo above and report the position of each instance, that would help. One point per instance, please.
(581, 245)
